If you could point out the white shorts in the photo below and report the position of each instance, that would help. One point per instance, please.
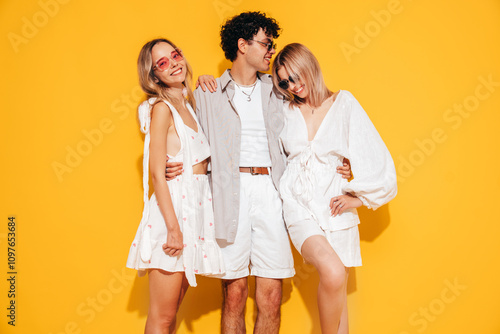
(261, 247)
(344, 242)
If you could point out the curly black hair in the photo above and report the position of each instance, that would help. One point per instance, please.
(245, 25)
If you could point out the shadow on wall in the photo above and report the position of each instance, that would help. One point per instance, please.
(373, 223)
(138, 301)
(202, 300)
(306, 279)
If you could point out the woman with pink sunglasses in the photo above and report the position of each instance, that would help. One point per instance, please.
(176, 239)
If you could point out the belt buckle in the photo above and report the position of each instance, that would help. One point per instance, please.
(252, 171)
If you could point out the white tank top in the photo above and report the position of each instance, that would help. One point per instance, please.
(254, 144)
(199, 148)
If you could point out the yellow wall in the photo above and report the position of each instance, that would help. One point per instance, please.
(421, 70)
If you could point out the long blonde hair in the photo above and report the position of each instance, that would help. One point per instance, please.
(301, 64)
(147, 77)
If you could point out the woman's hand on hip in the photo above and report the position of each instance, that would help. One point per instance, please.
(339, 204)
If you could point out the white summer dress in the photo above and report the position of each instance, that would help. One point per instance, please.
(192, 202)
(311, 180)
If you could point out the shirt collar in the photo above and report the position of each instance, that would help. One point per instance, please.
(226, 78)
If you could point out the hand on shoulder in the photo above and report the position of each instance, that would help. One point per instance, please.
(207, 81)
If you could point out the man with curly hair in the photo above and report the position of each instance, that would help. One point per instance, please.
(242, 120)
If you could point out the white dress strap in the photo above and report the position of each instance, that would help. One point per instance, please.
(187, 215)
(145, 237)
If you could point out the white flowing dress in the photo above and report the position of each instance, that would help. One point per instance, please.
(310, 179)
(192, 202)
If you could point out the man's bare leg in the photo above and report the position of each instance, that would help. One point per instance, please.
(268, 292)
(234, 299)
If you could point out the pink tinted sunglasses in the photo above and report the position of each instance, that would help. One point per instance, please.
(164, 63)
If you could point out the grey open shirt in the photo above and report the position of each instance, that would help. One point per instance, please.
(222, 126)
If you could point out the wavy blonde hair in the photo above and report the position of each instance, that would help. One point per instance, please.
(300, 63)
(148, 81)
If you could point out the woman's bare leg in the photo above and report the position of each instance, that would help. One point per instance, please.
(344, 321)
(165, 290)
(332, 281)
(184, 287)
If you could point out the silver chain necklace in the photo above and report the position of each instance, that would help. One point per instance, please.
(248, 95)
(312, 109)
